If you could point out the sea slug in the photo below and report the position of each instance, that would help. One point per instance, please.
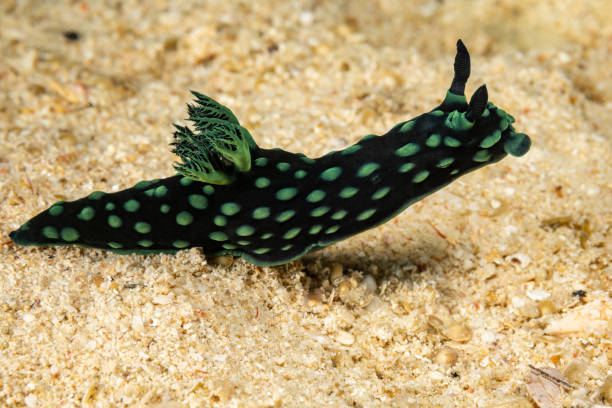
(270, 206)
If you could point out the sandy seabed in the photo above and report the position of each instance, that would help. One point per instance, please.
(493, 292)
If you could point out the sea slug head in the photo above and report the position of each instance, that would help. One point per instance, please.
(482, 130)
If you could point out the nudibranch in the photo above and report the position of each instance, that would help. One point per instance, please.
(269, 206)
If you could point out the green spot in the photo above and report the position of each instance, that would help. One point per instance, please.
(367, 169)
(145, 243)
(451, 142)
(56, 210)
(50, 232)
(142, 184)
(283, 166)
(454, 171)
(267, 235)
(86, 214)
(96, 195)
(348, 192)
(407, 126)
(503, 124)
(185, 181)
(490, 140)
(261, 161)
(292, 233)
(338, 215)
(433, 140)
(218, 236)
(408, 149)
(69, 234)
(420, 176)
(445, 162)
(315, 229)
(220, 221)
(244, 243)
(366, 214)
(161, 191)
(150, 192)
(517, 144)
(332, 229)
(482, 156)
(184, 218)
(285, 215)
(380, 193)
(115, 245)
(453, 99)
(208, 189)
(351, 149)
(319, 211)
(286, 193)
(114, 221)
(315, 196)
(331, 174)
(197, 201)
(261, 251)
(406, 167)
(486, 113)
(307, 160)
(368, 137)
(287, 247)
(300, 174)
(262, 182)
(180, 244)
(436, 112)
(164, 208)
(229, 246)
(142, 227)
(109, 206)
(131, 205)
(230, 208)
(261, 212)
(245, 230)
(457, 120)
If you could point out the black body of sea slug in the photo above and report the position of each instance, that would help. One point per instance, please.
(270, 206)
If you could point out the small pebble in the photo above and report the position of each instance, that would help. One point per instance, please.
(458, 332)
(537, 294)
(590, 318)
(28, 318)
(530, 310)
(345, 338)
(336, 272)
(522, 259)
(345, 287)
(574, 371)
(30, 400)
(526, 307)
(71, 35)
(435, 323)
(547, 307)
(162, 299)
(224, 390)
(447, 356)
(606, 389)
(370, 283)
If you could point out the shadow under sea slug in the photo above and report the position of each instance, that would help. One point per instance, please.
(270, 206)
